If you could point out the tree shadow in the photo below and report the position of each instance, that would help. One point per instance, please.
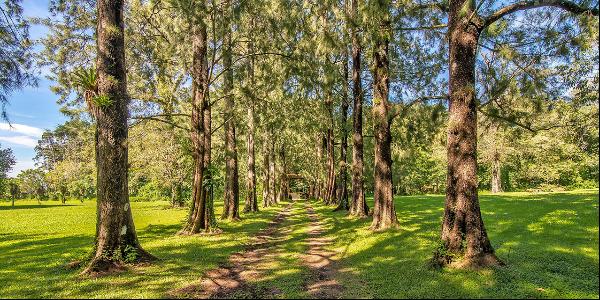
(32, 206)
(550, 243)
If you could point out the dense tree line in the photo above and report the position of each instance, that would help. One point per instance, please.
(447, 97)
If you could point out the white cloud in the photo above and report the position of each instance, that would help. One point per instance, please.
(22, 129)
(22, 140)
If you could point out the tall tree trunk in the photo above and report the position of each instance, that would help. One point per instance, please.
(197, 218)
(330, 186)
(358, 205)
(496, 173)
(231, 197)
(210, 220)
(319, 159)
(272, 166)
(116, 237)
(342, 193)
(384, 213)
(463, 232)
(266, 180)
(251, 204)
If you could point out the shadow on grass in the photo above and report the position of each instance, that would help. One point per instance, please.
(549, 241)
(32, 206)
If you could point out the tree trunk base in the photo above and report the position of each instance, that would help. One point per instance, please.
(382, 226)
(477, 262)
(99, 267)
(359, 216)
(482, 261)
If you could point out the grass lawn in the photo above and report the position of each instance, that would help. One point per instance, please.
(37, 241)
(549, 242)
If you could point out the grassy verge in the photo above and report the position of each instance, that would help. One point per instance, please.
(548, 240)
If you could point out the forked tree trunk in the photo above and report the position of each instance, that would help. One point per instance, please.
(116, 238)
(463, 232)
(232, 195)
(384, 213)
(197, 218)
(358, 205)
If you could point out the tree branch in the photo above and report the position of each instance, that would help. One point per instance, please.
(400, 109)
(529, 4)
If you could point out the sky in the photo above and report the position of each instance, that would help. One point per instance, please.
(32, 109)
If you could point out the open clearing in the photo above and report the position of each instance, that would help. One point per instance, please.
(548, 240)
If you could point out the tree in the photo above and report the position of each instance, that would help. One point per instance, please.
(33, 183)
(384, 213)
(358, 205)
(201, 210)
(463, 232)
(7, 162)
(116, 238)
(16, 57)
(232, 193)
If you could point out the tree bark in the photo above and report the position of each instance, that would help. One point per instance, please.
(358, 205)
(463, 232)
(266, 175)
(272, 166)
(283, 194)
(251, 204)
(116, 238)
(330, 185)
(210, 220)
(342, 193)
(384, 213)
(232, 196)
(496, 173)
(197, 220)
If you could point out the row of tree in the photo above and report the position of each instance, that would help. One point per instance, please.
(294, 71)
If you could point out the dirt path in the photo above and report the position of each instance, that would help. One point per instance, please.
(238, 277)
(322, 284)
(234, 279)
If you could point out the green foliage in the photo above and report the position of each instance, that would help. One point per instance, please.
(16, 61)
(85, 79)
(102, 101)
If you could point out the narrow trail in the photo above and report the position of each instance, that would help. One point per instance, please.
(238, 277)
(234, 279)
(322, 284)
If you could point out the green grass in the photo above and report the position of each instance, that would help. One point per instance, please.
(37, 241)
(549, 242)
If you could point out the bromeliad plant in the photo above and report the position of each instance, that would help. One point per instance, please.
(85, 79)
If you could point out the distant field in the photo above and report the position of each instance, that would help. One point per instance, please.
(549, 242)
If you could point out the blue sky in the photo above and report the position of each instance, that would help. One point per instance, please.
(33, 109)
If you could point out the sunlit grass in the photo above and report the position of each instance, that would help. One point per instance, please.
(36, 241)
(548, 240)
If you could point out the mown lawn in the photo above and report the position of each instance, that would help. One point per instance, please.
(37, 241)
(549, 242)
